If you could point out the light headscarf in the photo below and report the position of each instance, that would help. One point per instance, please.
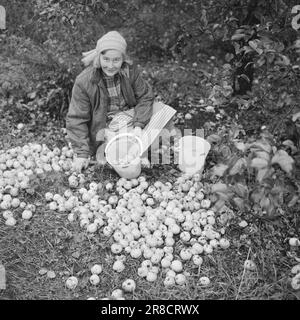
(111, 40)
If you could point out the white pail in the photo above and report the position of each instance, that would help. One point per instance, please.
(119, 148)
(192, 152)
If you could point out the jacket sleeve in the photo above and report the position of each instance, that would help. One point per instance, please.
(77, 119)
(145, 98)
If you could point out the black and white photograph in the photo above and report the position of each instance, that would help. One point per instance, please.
(149, 153)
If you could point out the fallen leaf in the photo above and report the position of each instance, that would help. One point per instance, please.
(78, 237)
(76, 254)
(51, 274)
(254, 45)
(43, 271)
(30, 191)
(31, 95)
(243, 224)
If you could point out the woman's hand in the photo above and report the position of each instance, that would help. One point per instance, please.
(137, 131)
(79, 164)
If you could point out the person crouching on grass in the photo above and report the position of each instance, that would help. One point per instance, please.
(109, 95)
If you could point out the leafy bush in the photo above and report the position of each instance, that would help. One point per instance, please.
(254, 174)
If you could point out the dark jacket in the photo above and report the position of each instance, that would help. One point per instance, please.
(87, 111)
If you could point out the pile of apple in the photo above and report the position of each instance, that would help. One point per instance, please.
(163, 224)
(17, 166)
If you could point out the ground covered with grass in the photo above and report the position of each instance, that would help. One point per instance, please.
(41, 253)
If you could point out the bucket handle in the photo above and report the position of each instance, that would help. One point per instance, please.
(123, 135)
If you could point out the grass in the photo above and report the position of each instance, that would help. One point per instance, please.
(50, 241)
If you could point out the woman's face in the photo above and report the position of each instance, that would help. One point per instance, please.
(111, 62)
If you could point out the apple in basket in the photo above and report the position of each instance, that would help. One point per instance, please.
(128, 148)
(128, 158)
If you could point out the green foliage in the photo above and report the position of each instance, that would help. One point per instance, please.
(255, 175)
(162, 29)
(218, 84)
